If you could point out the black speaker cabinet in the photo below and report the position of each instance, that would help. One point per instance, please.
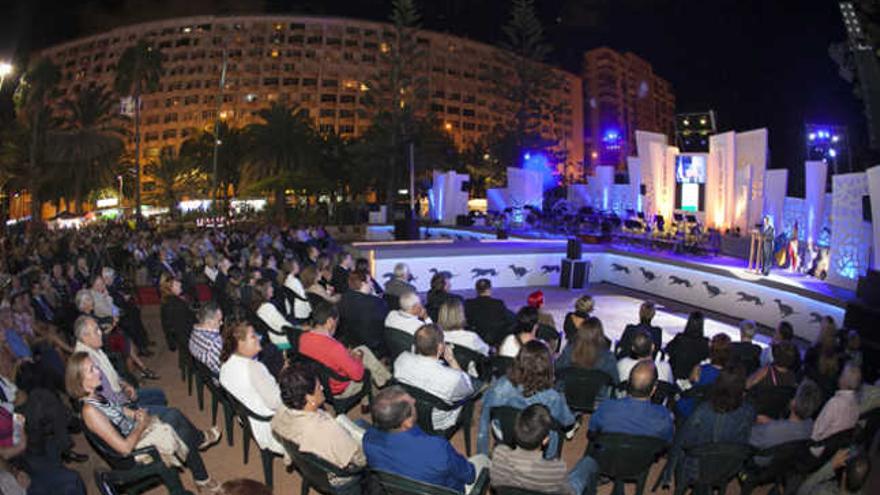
(406, 230)
(573, 251)
(574, 274)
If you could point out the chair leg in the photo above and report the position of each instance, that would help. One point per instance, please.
(268, 459)
(304, 487)
(230, 422)
(215, 401)
(245, 443)
(189, 381)
(200, 393)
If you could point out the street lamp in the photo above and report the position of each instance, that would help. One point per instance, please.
(5, 70)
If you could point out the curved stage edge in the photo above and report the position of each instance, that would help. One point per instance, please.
(720, 284)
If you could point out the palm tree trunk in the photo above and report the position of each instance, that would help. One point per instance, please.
(137, 152)
(392, 177)
(36, 210)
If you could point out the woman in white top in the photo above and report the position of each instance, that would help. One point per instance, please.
(524, 331)
(301, 307)
(266, 311)
(311, 280)
(451, 318)
(249, 381)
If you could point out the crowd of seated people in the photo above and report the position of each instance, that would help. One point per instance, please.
(286, 307)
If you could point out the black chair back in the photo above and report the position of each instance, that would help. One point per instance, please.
(110, 456)
(316, 473)
(466, 356)
(504, 417)
(780, 462)
(397, 342)
(512, 490)
(718, 464)
(626, 457)
(393, 484)
(392, 301)
(426, 403)
(325, 374)
(582, 386)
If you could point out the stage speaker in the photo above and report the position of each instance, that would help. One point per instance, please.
(574, 273)
(868, 290)
(406, 230)
(574, 249)
(464, 220)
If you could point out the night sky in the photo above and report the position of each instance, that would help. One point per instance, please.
(757, 63)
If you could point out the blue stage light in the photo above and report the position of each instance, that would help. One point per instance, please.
(832, 152)
(812, 136)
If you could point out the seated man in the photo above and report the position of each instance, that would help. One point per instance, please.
(647, 311)
(745, 352)
(425, 370)
(89, 339)
(642, 348)
(319, 345)
(635, 414)
(205, 341)
(488, 316)
(525, 466)
(411, 315)
(768, 433)
(395, 444)
(362, 315)
(841, 412)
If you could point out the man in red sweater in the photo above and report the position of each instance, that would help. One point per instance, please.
(320, 345)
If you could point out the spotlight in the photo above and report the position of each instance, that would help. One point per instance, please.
(835, 138)
(812, 136)
(832, 152)
(527, 156)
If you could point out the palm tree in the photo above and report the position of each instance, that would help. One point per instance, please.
(32, 101)
(232, 156)
(174, 176)
(89, 142)
(138, 72)
(282, 149)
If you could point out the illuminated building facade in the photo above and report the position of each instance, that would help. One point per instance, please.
(622, 95)
(317, 64)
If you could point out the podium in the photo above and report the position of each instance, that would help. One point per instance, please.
(574, 274)
(756, 252)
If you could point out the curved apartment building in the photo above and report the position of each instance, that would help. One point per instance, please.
(318, 64)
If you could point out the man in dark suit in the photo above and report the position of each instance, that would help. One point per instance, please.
(746, 352)
(487, 316)
(362, 315)
(343, 267)
(646, 314)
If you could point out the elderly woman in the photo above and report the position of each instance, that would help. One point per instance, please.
(249, 381)
(529, 381)
(303, 421)
(399, 283)
(125, 430)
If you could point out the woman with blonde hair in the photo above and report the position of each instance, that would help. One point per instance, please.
(125, 430)
(452, 320)
(583, 307)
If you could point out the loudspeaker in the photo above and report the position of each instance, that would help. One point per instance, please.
(643, 189)
(406, 230)
(464, 220)
(574, 249)
(574, 273)
(868, 290)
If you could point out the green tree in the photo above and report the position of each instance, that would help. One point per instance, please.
(232, 157)
(526, 85)
(137, 72)
(398, 93)
(32, 97)
(174, 176)
(88, 143)
(283, 150)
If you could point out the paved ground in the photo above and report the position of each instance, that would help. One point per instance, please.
(615, 306)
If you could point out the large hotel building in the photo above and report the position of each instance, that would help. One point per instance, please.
(318, 64)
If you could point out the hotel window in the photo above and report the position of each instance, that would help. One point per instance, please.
(291, 81)
(329, 83)
(326, 128)
(151, 136)
(270, 81)
(351, 43)
(346, 114)
(346, 99)
(170, 117)
(352, 30)
(325, 98)
(327, 112)
(346, 129)
(309, 81)
(169, 134)
(314, 40)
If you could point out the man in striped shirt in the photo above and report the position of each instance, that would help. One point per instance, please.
(205, 341)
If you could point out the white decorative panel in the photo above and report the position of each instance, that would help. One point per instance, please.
(651, 148)
(850, 235)
(873, 174)
(775, 185)
(814, 205)
(719, 180)
(751, 152)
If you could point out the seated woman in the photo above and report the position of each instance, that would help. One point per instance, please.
(590, 350)
(582, 309)
(704, 375)
(303, 421)
(529, 381)
(546, 324)
(269, 313)
(781, 372)
(249, 381)
(176, 315)
(439, 294)
(524, 330)
(311, 280)
(688, 348)
(124, 429)
(301, 308)
(362, 265)
(452, 320)
(724, 417)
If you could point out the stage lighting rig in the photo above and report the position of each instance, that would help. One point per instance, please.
(692, 130)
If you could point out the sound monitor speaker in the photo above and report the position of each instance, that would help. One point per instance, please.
(574, 249)
(575, 274)
(406, 230)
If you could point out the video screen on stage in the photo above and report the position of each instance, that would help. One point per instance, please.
(690, 197)
(690, 169)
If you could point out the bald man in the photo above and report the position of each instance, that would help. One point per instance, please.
(635, 414)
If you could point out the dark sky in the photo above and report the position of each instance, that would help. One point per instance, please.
(757, 63)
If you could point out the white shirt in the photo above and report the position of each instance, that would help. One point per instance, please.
(468, 339)
(301, 309)
(272, 317)
(509, 346)
(211, 273)
(9, 390)
(251, 383)
(403, 321)
(626, 364)
(439, 380)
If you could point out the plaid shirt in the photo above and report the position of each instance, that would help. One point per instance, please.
(205, 345)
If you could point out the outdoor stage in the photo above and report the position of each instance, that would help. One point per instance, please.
(719, 284)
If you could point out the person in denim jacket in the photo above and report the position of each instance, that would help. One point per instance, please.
(589, 349)
(530, 381)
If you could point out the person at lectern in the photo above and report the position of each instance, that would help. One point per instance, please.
(767, 235)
